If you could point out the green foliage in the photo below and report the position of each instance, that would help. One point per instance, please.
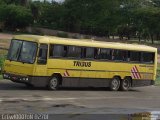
(157, 81)
(91, 17)
(2, 59)
(62, 34)
(15, 16)
(123, 18)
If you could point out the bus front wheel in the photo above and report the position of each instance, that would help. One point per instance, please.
(114, 84)
(125, 84)
(53, 83)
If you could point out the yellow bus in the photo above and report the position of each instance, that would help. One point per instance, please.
(44, 61)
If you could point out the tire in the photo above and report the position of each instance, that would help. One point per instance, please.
(125, 84)
(53, 83)
(114, 84)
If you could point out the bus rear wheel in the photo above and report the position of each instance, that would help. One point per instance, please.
(53, 83)
(114, 84)
(125, 84)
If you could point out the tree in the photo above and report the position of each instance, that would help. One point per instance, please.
(147, 21)
(15, 16)
(92, 16)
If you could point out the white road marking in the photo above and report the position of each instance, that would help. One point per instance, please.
(62, 99)
(58, 99)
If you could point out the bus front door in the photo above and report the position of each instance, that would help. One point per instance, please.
(41, 67)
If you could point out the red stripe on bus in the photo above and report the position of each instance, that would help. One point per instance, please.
(135, 72)
(67, 73)
(138, 71)
(133, 76)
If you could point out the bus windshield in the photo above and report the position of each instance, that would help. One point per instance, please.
(22, 51)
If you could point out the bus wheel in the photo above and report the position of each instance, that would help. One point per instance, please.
(125, 84)
(53, 83)
(114, 84)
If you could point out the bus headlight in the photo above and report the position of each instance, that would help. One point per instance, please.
(26, 79)
(5, 76)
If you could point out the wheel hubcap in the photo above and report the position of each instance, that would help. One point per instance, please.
(53, 83)
(115, 84)
(126, 83)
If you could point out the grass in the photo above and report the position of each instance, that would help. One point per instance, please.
(1, 77)
(157, 81)
(2, 58)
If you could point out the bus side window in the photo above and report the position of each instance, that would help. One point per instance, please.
(97, 52)
(147, 57)
(57, 51)
(119, 55)
(74, 52)
(105, 54)
(128, 56)
(125, 55)
(89, 53)
(42, 55)
(135, 56)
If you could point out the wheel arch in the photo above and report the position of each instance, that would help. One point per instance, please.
(59, 77)
(117, 76)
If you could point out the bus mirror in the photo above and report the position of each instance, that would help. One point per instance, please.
(41, 61)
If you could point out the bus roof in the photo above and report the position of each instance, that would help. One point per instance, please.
(84, 42)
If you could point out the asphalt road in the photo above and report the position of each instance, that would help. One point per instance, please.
(17, 98)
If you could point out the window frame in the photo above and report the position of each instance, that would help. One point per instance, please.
(120, 50)
(84, 49)
(71, 57)
(53, 51)
(39, 52)
(17, 60)
(142, 60)
(66, 55)
(83, 55)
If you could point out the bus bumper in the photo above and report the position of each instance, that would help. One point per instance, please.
(16, 78)
(139, 83)
(37, 81)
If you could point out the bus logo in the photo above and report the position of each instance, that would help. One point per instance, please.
(135, 73)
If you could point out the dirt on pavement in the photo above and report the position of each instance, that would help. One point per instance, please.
(5, 40)
(5, 36)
